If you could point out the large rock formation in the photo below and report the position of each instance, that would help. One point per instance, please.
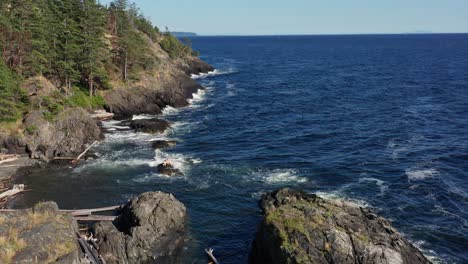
(38, 235)
(304, 228)
(66, 135)
(150, 229)
(169, 84)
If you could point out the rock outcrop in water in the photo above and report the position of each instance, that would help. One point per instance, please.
(168, 170)
(160, 144)
(151, 228)
(304, 228)
(38, 235)
(151, 126)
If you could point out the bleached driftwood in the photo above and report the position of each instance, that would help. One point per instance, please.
(83, 212)
(210, 254)
(102, 115)
(75, 161)
(15, 190)
(8, 160)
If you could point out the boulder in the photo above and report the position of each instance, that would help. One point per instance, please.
(169, 170)
(13, 145)
(66, 135)
(303, 228)
(160, 144)
(151, 228)
(150, 125)
(39, 235)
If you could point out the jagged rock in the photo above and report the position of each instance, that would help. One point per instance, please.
(39, 235)
(66, 135)
(194, 65)
(151, 228)
(14, 145)
(159, 144)
(169, 170)
(150, 125)
(304, 228)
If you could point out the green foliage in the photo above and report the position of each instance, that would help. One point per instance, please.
(31, 129)
(12, 98)
(174, 47)
(82, 99)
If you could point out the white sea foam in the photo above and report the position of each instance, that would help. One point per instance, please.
(179, 161)
(213, 73)
(280, 176)
(197, 97)
(381, 184)
(169, 110)
(429, 254)
(338, 195)
(420, 174)
(143, 116)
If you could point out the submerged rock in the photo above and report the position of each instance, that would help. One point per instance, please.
(169, 170)
(39, 235)
(159, 144)
(151, 228)
(304, 228)
(150, 125)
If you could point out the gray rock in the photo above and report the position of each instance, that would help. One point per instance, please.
(150, 229)
(160, 144)
(304, 228)
(168, 170)
(67, 135)
(39, 235)
(150, 125)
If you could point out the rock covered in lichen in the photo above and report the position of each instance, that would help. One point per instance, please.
(38, 235)
(304, 228)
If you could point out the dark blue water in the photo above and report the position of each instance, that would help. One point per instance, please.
(382, 120)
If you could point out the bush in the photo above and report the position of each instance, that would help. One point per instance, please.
(174, 47)
(82, 99)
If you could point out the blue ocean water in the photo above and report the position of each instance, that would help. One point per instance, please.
(380, 119)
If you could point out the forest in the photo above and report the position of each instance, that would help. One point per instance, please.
(81, 46)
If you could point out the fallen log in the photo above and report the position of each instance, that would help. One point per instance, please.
(84, 212)
(102, 115)
(75, 161)
(8, 160)
(95, 218)
(15, 190)
(210, 254)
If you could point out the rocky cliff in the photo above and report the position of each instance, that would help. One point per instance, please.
(304, 228)
(167, 85)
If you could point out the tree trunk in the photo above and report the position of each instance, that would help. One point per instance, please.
(125, 66)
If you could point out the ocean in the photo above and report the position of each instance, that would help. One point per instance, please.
(378, 119)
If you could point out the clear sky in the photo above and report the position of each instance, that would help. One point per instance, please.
(270, 17)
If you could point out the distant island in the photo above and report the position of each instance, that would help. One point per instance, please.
(184, 34)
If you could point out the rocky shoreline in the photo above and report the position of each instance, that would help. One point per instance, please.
(151, 228)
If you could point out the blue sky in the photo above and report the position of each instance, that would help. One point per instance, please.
(269, 17)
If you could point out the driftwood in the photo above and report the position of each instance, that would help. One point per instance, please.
(75, 161)
(83, 212)
(210, 254)
(102, 115)
(8, 160)
(95, 218)
(15, 190)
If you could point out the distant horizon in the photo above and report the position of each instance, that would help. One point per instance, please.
(324, 34)
(305, 17)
